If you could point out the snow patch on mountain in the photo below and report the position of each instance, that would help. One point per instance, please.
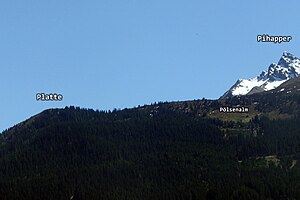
(244, 86)
(288, 67)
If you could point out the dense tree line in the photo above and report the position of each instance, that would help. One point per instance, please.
(150, 152)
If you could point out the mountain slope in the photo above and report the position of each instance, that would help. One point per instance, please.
(288, 67)
(176, 150)
(292, 85)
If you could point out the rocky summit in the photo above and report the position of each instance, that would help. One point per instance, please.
(288, 67)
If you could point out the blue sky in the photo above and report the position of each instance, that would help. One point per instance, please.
(106, 54)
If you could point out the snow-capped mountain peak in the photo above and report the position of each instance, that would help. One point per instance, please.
(288, 67)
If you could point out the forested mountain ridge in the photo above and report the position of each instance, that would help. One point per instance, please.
(176, 150)
(286, 97)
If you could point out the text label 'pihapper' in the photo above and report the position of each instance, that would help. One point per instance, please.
(274, 39)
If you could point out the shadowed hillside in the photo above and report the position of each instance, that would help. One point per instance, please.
(177, 150)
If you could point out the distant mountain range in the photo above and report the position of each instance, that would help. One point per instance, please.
(288, 67)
